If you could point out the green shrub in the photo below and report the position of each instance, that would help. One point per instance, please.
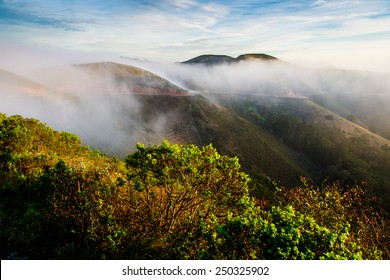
(59, 199)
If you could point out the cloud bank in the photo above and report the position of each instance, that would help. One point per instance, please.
(343, 34)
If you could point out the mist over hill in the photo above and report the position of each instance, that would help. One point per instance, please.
(281, 120)
(95, 101)
(361, 96)
(114, 106)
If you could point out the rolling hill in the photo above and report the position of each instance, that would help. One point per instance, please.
(134, 79)
(121, 105)
(339, 119)
(13, 84)
(152, 201)
(212, 59)
(282, 121)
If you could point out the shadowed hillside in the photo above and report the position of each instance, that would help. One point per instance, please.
(211, 59)
(341, 149)
(194, 119)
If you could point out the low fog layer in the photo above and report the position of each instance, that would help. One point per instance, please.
(358, 95)
(105, 113)
(273, 77)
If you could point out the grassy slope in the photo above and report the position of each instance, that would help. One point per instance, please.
(341, 149)
(137, 80)
(211, 59)
(259, 151)
(197, 120)
(369, 111)
(13, 84)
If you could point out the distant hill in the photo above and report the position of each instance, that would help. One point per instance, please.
(136, 80)
(11, 83)
(253, 56)
(210, 59)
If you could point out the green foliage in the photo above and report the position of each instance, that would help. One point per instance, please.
(33, 189)
(275, 233)
(181, 185)
(84, 204)
(60, 200)
(334, 205)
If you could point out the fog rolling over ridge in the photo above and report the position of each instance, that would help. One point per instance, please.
(102, 102)
(281, 120)
(352, 94)
(247, 74)
(96, 101)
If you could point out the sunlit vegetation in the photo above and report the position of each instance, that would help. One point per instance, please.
(61, 200)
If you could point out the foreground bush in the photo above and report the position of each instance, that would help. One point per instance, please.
(59, 199)
(277, 233)
(334, 205)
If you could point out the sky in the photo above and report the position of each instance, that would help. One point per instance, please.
(324, 33)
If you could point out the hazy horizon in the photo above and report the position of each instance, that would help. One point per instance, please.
(351, 35)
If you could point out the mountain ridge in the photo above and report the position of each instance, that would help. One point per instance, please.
(211, 59)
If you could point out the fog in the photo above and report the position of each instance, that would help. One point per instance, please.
(90, 103)
(269, 78)
(105, 113)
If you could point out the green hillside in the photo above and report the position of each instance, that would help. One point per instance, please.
(340, 149)
(213, 59)
(371, 111)
(61, 200)
(197, 120)
(210, 59)
(135, 79)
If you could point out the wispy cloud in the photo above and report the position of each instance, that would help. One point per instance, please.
(185, 27)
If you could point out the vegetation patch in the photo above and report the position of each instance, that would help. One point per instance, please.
(61, 200)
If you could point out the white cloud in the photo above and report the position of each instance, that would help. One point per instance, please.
(175, 29)
(183, 4)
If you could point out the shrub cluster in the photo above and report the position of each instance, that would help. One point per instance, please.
(60, 200)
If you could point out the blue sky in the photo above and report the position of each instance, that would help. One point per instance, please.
(336, 33)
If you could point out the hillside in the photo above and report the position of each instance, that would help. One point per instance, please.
(94, 100)
(196, 120)
(370, 111)
(13, 84)
(134, 79)
(135, 106)
(270, 116)
(61, 200)
(341, 149)
(211, 59)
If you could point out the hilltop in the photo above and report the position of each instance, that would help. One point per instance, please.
(11, 83)
(210, 59)
(134, 79)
